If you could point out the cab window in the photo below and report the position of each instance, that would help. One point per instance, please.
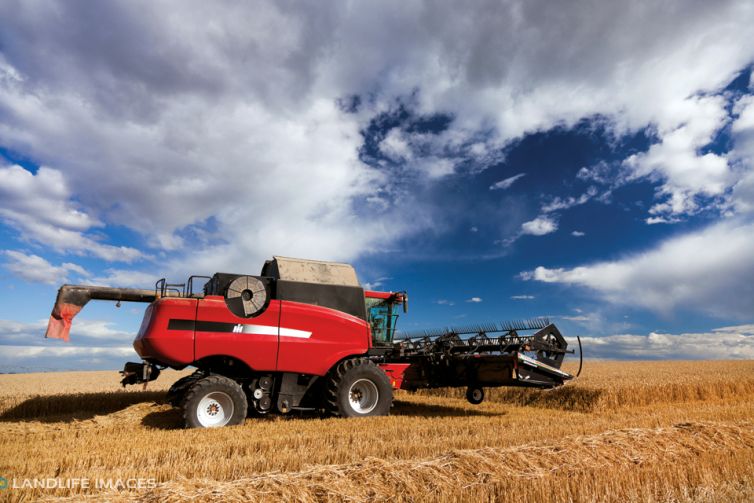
(381, 320)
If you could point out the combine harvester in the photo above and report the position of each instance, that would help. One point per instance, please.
(304, 335)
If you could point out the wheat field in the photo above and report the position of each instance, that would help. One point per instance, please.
(623, 431)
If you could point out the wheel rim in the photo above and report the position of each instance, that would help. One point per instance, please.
(476, 394)
(363, 396)
(214, 410)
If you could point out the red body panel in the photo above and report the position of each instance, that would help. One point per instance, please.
(155, 341)
(395, 372)
(286, 337)
(334, 336)
(258, 350)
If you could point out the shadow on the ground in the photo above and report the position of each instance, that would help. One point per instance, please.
(172, 419)
(401, 408)
(82, 406)
(67, 407)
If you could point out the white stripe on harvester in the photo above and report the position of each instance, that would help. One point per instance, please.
(290, 332)
(268, 330)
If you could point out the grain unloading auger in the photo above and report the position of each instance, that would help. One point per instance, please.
(304, 335)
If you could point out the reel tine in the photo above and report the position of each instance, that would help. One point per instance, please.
(536, 323)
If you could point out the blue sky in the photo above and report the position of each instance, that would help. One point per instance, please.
(593, 164)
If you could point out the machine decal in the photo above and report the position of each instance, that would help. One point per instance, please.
(238, 328)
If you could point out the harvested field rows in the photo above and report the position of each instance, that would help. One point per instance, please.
(648, 431)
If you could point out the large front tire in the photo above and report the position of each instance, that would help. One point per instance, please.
(358, 388)
(213, 402)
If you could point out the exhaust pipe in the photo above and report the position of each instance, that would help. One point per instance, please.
(72, 298)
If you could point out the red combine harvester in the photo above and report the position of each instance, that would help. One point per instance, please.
(304, 335)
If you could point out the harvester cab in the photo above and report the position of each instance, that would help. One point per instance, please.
(305, 335)
(382, 315)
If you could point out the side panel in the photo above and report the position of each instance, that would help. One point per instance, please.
(251, 340)
(159, 339)
(395, 372)
(314, 338)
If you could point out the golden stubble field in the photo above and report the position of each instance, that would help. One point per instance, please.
(624, 431)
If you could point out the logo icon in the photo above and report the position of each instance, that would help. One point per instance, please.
(3, 483)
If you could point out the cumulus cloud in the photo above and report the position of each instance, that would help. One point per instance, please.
(578, 234)
(40, 207)
(36, 269)
(507, 182)
(735, 342)
(709, 270)
(539, 226)
(235, 131)
(742, 129)
(676, 159)
(474, 300)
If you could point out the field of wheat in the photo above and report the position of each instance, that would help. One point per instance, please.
(623, 431)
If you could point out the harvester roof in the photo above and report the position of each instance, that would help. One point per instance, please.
(310, 271)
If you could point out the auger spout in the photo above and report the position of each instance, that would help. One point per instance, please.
(72, 298)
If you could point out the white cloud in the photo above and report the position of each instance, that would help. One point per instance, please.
(736, 342)
(539, 226)
(475, 300)
(559, 203)
(742, 196)
(377, 283)
(578, 318)
(126, 278)
(445, 302)
(522, 297)
(676, 159)
(435, 167)
(40, 207)
(396, 146)
(661, 220)
(578, 234)
(36, 269)
(232, 124)
(507, 182)
(601, 173)
(20, 358)
(709, 270)
(84, 333)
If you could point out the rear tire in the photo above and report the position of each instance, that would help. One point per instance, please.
(358, 388)
(214, 401)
